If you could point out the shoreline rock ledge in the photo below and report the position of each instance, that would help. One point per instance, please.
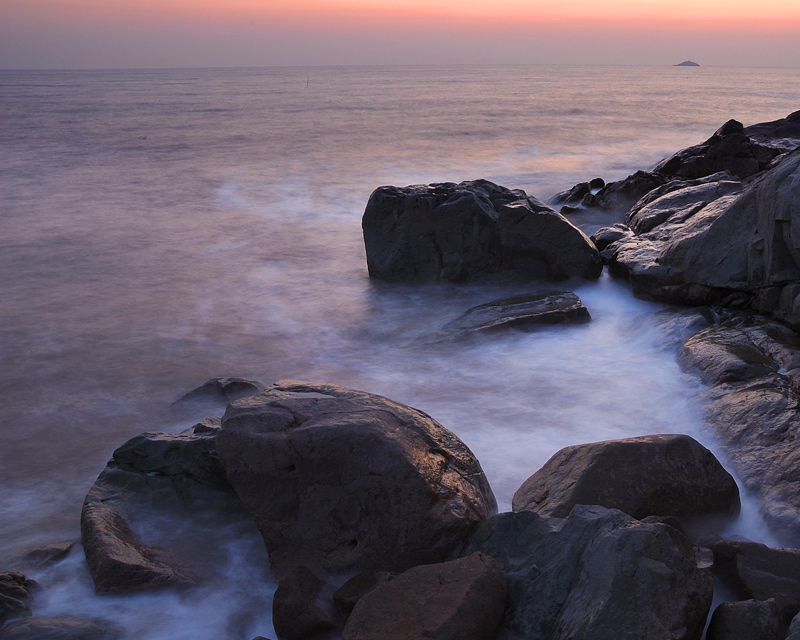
(461, 232)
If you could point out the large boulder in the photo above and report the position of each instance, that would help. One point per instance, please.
(664, 475)
(60, 629)
(151, 471)
(464, 231)
(349, 481)
(462, 599)
(753, 366)
(720, 243)
(597, 575)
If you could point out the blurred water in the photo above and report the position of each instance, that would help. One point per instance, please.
(163, 227)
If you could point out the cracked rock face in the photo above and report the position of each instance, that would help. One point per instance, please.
(347, 480)
(460, 232)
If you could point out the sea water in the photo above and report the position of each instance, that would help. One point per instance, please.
(162, 227)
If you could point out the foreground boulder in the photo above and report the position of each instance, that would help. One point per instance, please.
(521, 312)
(464, 231)
(350, 481)
(223, 390)
(753, 367)
(597, 575)
(151, 470)
(664, 475)
(462, 599)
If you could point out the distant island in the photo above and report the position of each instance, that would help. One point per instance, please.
(687, 63)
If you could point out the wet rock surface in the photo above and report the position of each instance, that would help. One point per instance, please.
(664, 475)
(597, 574)
(753, 365)
(524, 312)
(348, 481)
(300, 609)
(15, 595)
(746, 620)
(463, 598)
(465, 231)
(60, 629)
(153, 469)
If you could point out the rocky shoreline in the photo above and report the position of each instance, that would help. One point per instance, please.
(346, 484)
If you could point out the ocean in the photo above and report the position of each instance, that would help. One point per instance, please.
(162, 227)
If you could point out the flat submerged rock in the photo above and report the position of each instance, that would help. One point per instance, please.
(522, 312)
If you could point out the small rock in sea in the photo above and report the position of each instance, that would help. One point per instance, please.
(300, 609)
(686, 63)
(521, 312)
(15, 591)
(223, 390)
(47, 554)
(463, 598)
(663, 475)
(746, 620)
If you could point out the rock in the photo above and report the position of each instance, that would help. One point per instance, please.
(606, 236)
(725, 354)
(746, 620)
(357, 587)
(464, 231)
(729, 149)
(572, 196)
(794, 629)
(223, 390)
(686, 63)
(521, 312)
(736, 250)
(151, 469)
(462, 599)
(754, 365)
(665, 475)
(60, 629)
(754, 571)
(782, 134)
(620, 195)
(350, 481)
(597, 574)
(15, 592)
(298, 610)
(47, 554)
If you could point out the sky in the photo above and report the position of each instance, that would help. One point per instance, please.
(81, 34)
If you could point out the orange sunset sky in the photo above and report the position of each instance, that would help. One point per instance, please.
(198, 33)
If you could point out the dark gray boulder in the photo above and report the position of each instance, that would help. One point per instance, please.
(153, 470)
(746, 620)
(464, 231)
(521, 312)
(597, 574)
(665, 475)
(622, 194)
(350, 481)
(47, 554)
(60, 629)
(15, 593)
(794, 629)
(300, 609)
(606, 236)
(753, 365)
(462, 599)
